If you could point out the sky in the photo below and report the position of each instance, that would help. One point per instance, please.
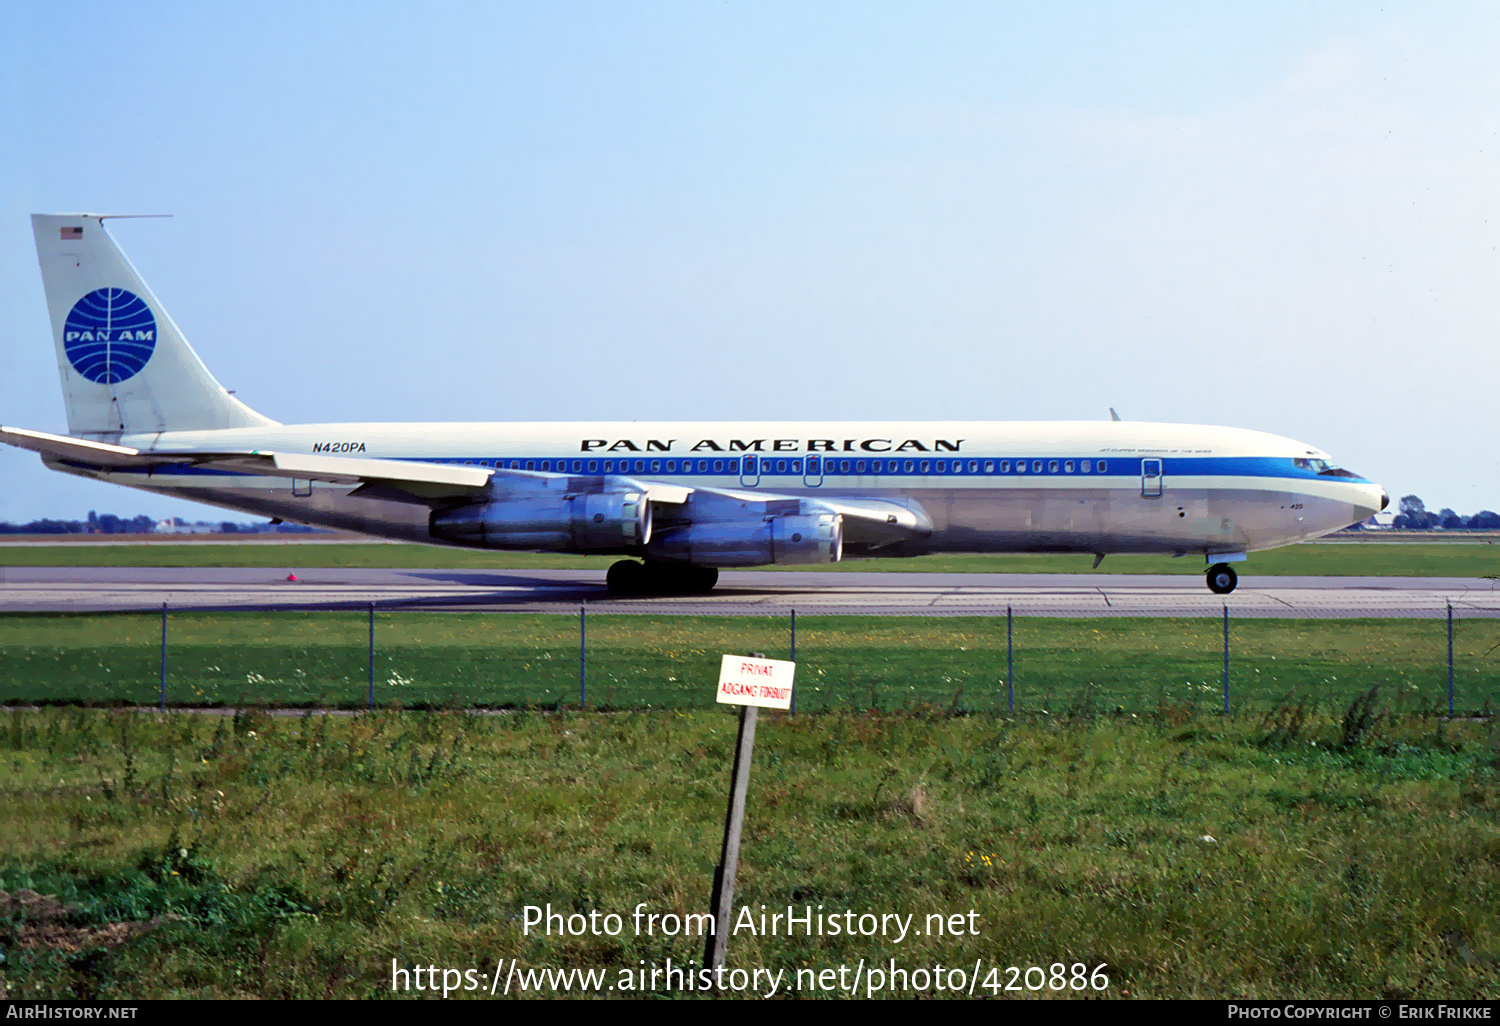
(1282, 217)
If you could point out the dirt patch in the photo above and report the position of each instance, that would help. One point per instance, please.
(32, 920)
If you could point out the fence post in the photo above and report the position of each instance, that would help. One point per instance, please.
(794, 659)
(162, 702)
(583, 655)
(1450, 659)
(1010, 665)
(1226, 658)
(371, 702)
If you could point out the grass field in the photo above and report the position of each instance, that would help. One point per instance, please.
(1451, 559)
(456, 660)
(1280, 854)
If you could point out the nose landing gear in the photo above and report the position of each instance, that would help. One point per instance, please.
(1222, 578)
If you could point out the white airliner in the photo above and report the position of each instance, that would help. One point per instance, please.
(681, 500)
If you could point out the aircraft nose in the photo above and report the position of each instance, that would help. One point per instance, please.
(1385, 499)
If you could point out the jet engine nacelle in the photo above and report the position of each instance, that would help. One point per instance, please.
(589, 522)
(815, 538)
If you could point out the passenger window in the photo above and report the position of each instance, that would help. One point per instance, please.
(515, 464)
(718, 466)
(924, 466)
(796, 466)
(1103, 467)
(942, 466)
(609, 466)
(593, 466)
(1084, 466)
(859, 466)
(671, 466)
(843, 466)
(1005, 466)
(973, 466)
(989, 466)
(1052, 467)
(781, 466)
(1068, 467)
(655, 466)
(1020, 466)
(910, 466)
(531, 464)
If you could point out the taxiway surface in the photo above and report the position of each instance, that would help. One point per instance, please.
(90, 589)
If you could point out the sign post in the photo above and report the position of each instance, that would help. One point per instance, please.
(752, 683)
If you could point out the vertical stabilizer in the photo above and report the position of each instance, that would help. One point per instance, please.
(125, 367)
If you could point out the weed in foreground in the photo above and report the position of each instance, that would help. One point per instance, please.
(297, 856)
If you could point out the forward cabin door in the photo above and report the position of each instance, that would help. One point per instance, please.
(1151, 479)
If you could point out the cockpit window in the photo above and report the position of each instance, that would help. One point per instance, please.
(1322, 468)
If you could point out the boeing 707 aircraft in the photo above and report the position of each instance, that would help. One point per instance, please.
(678, 500)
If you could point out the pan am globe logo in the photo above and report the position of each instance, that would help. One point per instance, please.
(109, 335)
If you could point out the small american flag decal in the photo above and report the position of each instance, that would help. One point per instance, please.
(72, 233)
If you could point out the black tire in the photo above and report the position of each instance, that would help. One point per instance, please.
(627, 577)
(1222, 578)
(677, 579)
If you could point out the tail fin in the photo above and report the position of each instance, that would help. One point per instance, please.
(126, 369)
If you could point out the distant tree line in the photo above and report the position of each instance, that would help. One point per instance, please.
(108, 523)
(1413, 515)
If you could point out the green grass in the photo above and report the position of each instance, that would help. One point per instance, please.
(455, 660)
(297, 857)
(1452, 559)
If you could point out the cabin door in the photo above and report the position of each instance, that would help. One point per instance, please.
(1151, 479)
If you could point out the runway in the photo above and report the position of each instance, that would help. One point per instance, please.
(94, 589)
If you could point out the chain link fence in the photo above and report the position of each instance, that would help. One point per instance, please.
(1028, 660)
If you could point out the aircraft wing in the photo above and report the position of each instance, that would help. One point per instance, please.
(870, 521)
(410, 480)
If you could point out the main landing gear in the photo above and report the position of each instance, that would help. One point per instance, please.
(627, 577)
(1222, 578)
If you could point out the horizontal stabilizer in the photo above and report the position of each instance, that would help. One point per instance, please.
(80, 450)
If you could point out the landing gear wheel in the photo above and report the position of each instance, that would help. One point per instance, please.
(703, 578)
(678, 579)
(1222, 578)
(627, 577)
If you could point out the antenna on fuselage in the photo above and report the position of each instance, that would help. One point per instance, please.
(1112, 414)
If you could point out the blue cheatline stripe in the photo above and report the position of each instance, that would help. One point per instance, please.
(1118, 467)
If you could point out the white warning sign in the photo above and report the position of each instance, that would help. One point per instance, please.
(763, 682)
